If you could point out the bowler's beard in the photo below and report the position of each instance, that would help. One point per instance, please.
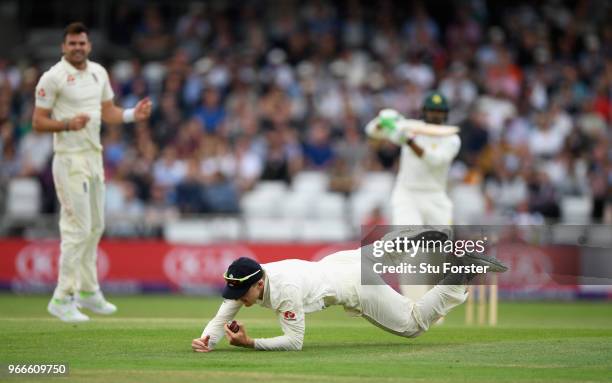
(77, 59)
(436, 120)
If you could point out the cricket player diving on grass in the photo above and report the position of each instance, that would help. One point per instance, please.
(293, 288)
(72, 97)
(428, 149)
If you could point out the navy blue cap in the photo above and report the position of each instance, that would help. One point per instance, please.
(240, 276)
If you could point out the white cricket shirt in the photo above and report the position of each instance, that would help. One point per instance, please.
(426, 173)
(293, 288)
(68, 91)
(429, 172)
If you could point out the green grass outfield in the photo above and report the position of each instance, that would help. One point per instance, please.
(149, 340)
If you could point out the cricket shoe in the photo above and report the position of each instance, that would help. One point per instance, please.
(95, 302)
(66, 310)
(494, 264)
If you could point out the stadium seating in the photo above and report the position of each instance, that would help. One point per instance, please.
(202, 231)
(310, 182)
(377, 183)
(23, 200)
(271, 229)
(330, 206)
(298, 205)
(363, 203)
(264, 201)
(324, 230)
(576, 210)
(469, 204)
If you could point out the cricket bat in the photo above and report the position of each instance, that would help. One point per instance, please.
(423, 128)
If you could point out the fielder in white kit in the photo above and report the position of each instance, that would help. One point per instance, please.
(72, 97)
(419, 196)
(293, 288)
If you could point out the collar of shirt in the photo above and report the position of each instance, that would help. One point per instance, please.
(265, 301)
(71, 69)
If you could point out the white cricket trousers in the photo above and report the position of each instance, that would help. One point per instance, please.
(79, 183)
(419, 207)
(383, 306)
(397, 314)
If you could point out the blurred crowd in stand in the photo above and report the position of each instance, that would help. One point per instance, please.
(260, 91)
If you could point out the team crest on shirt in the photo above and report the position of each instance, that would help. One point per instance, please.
(42, 93)
(289, 315)
(70, 79)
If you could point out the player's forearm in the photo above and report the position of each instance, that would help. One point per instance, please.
(48, 125)
(112, 115)
(415, 147)
(279, 343)
(214, 328)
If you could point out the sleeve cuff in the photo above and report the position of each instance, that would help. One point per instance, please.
(43, 104)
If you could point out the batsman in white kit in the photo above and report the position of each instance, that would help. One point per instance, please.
(72, 98)
(428, 149)
(293, 288)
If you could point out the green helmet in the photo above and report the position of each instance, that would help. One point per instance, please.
(435, 101)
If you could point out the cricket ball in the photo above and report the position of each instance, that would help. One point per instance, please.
(233, 326)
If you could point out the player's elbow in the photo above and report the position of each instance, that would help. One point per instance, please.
(36, 125)
(295, 344)
(38, 120)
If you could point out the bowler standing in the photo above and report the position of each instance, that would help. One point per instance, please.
(72, 98)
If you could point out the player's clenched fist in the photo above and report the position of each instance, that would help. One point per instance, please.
(239, 338)
(201, 344)
(77, 122)
(142, 111)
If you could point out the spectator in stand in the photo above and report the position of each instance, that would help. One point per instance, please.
(545, 141)
(159, 211)
(352, 149)
(543, 196)
(211, 112)
(190, 138)
(10, 165)
(189, 191)
(474, 137)
(152, 41)
(460, 91)
(166, 119)
(281, 159)
(169, 171)
(192, 29)
(248, 164)
(525, 101)
(318, 149)
(34, 153)
(115, 147)
(218, 169)
(508, 186)
(600, 178)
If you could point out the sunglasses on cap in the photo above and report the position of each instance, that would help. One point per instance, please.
(237, 281)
